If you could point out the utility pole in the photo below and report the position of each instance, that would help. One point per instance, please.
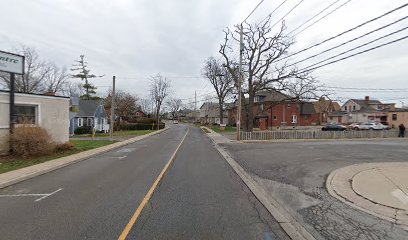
(241, 50)
(12, 102)
(112, 116)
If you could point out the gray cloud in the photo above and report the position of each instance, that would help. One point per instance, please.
(136, 39)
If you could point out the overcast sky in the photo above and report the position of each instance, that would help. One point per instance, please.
(135, 39)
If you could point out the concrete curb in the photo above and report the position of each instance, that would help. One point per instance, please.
(285, 220)
(19, 175)
(339, 186)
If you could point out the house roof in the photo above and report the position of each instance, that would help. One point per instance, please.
(323, 105)
(209, 105)
(35, 94)
(362, 102)
(88, 107)
(307, 108)
(272, 96)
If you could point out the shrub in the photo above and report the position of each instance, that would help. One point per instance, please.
(146, 121)
(31, 141)
(62, 147)
(83, 130)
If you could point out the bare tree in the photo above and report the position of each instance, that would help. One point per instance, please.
(83, 73)
(221, 79)
(126, 104)
(56, 81)
(35, 72)
(146, 105)
(262, 68)
(174, 105)
(159, 90)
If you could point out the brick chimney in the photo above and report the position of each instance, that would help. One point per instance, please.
(366, 100)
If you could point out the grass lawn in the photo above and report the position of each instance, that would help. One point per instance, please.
(227, 129)
(118, 133)
(10, 163)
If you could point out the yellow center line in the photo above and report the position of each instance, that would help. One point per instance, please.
(149, 194)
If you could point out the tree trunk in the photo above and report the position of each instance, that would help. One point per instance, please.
(221, 113)
(250, 112)
(158, 117)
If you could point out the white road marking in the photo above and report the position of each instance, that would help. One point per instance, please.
(126, 150)
(41, 195)
(121, 157)
(401, 196)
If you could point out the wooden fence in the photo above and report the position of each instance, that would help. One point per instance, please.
(294, 134)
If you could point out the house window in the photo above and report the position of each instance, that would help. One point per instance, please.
(89, 122)
(80, 122)
(394, 117)
(345, 108)
(275, 118)
(354, 108)
(294, 119)
(25, 114)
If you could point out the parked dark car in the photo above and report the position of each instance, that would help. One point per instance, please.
(334, 127)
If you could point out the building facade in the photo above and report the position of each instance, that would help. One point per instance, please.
(49, 112)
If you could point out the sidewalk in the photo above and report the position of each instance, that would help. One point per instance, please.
(380, 189)
(19, 175)
(289, 224)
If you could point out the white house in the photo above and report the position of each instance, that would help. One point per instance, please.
(362, 110)
(210, 114)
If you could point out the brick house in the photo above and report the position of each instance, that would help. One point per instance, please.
(275, 109)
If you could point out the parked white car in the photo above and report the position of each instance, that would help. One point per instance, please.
(372, 126)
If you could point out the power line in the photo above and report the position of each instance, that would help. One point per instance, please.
(355, 54)
(387, 89)
(318, 20)
(287, 13)
(310, 19)
(347, 31)
(376, 91)
(349, 41)
(270, 14)
(360, 46)
(254, 10)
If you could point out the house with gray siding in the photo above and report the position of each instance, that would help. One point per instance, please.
(92, 114)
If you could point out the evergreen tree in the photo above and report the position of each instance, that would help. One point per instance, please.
(83, 73)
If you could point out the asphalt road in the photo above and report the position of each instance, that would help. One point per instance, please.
(295, 173)
(200, 197)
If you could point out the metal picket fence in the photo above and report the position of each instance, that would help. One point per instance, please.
(293, 134)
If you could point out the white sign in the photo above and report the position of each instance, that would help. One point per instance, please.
(11, 63)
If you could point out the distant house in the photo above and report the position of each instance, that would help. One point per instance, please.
(275, 109)
(49, 112)
(363, 110)
(398, 116)
(91, 113)
(210, 114)
(324, 107)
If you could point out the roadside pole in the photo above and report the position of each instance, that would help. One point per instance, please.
(12, 102)
(241, 49)
(112, 118)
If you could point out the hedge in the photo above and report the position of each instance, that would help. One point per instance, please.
(83, 130)
(139, 126)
